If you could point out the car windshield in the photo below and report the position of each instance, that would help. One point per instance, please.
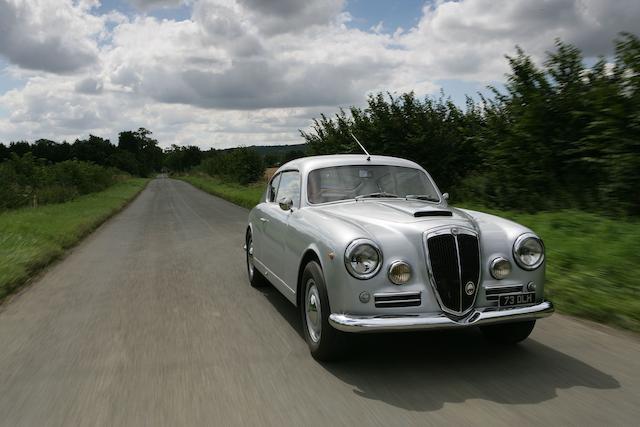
(363, 181)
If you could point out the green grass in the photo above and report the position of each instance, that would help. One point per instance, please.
(30, 238)
(243, 195)
(593, 262)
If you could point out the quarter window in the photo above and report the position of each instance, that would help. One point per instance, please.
(273, 188)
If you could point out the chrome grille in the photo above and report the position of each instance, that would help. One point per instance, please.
(453, 259)
(397, 299)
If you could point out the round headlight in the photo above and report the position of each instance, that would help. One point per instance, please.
(528, 251)
(500, 268)
(400, 272)
(363, 259)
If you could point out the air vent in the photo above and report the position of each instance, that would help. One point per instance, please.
(397, 299)
(432, 213)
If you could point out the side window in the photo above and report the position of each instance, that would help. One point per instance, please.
(273, 188)
(290, 187)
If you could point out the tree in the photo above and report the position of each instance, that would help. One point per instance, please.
(144, 148)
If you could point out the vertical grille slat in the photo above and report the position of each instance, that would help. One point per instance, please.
(444, 267)
(454, 261)
(469, 265)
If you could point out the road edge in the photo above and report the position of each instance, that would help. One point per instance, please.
(34, 273)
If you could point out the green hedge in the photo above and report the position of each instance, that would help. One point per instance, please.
(26, 181)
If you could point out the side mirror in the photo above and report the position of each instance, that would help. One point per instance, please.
(285, 203)
(445, 196)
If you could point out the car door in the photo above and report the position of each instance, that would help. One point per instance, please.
(277, 225)
(261, 243)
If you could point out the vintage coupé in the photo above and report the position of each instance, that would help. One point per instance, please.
(368, 243)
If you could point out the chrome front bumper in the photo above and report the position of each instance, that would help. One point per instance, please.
(418, 322)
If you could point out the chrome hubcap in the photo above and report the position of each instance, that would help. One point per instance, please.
(312, 311)
(250, 258)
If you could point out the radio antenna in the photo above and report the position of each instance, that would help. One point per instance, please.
(361, 146)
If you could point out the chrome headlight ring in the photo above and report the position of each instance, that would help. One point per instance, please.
(363, 259)
(528, 245)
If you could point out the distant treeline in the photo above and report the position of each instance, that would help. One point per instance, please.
(50, 172)
(136, 152)
(181, 159)
(557, 136)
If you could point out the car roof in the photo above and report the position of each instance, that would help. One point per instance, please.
(306, 164)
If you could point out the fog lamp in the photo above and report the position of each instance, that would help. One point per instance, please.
(500, 268)
(400, 272)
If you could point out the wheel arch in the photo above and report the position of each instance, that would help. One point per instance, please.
(311, 254)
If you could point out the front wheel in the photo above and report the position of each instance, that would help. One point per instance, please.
(508, 333)
(325, 342)
(256, 279)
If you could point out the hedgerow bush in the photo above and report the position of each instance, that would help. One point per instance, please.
(26, 181)
(241, 165)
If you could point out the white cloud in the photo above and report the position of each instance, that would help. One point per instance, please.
(49, 35)
(255, 71)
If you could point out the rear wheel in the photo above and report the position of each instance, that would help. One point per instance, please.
(325, 342)
(256, 279)
(508, 333)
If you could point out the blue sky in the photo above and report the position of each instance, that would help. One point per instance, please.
(220, 73)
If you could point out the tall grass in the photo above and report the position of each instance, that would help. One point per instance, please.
(593, 264)
(30, 238)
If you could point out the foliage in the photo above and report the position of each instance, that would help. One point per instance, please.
(242, 165)
(558, 136)
(181, 159)
(602, 284)
(28, 181)
(144, 149)
(137, 153)
(31, 238)
(243, 195)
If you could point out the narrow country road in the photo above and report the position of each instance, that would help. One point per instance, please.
(151, 321)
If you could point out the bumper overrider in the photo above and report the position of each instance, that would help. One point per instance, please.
(418, 322)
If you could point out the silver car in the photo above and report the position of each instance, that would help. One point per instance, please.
(369, 244)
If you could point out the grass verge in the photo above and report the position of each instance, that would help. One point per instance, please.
(593, 262)
(243, 195)
(30, 239)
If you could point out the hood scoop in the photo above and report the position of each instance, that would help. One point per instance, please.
(432, 213)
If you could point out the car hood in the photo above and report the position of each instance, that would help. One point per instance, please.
(421, 216)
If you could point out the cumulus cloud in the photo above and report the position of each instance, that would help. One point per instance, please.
(468, 39)
(255, 71)
(282, 16)
(153, 4)
(48, 35)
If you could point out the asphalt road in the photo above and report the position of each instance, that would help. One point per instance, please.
(150, 321)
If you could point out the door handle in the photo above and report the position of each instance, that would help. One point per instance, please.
(264, 219)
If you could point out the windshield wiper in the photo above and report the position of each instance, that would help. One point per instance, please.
(420, 197)
(379, 194)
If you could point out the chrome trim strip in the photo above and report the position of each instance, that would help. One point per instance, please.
(478, 317)
(397, 294)
(501, 286)
(397, 301)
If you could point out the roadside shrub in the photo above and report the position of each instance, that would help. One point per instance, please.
(28, 181)
(241, 165)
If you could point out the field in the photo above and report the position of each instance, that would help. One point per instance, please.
(31, 238)
(593, 262)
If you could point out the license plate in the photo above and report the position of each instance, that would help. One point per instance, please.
(517, 299)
